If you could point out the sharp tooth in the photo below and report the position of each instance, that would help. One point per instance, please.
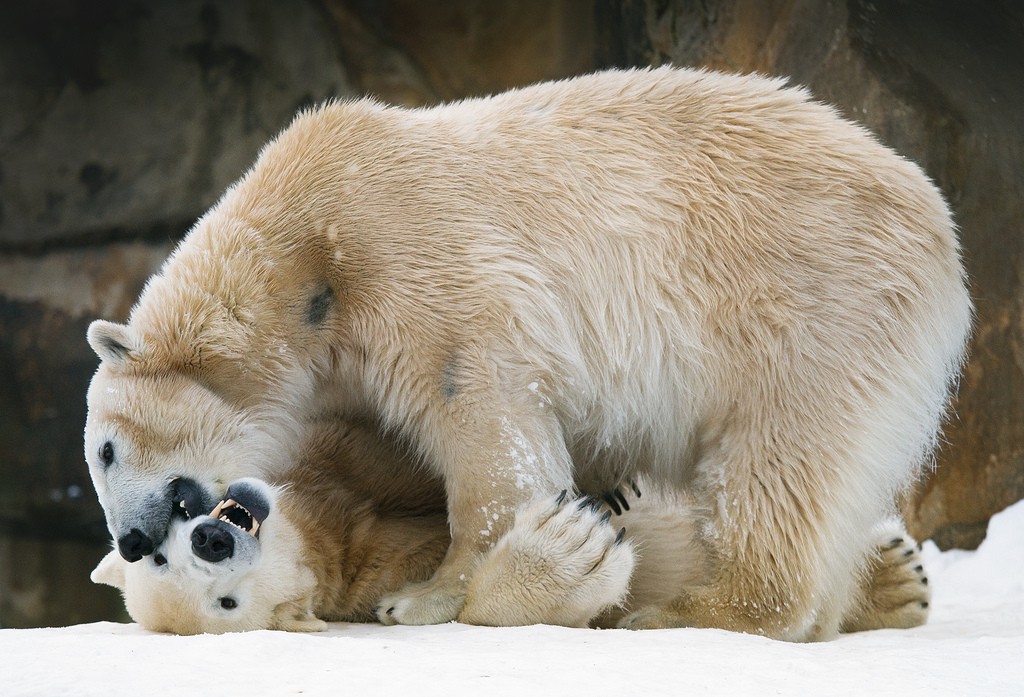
(181, 504)
(255, 527)
(218, 509)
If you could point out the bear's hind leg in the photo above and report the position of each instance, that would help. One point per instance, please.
(782, 540)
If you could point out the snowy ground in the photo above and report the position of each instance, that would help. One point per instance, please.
(973, 645)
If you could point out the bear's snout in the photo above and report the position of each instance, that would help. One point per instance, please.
(212, 542)
(135, 545)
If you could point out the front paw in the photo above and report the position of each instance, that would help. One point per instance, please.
(430, 602)
(561, 563)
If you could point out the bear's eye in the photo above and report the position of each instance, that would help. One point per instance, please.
(107, 453)
(228, 603)
(159, 559)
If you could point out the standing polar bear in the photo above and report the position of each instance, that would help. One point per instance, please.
(705, 279)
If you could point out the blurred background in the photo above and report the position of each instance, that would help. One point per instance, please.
(122, 120)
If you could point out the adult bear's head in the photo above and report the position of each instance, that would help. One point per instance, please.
(160, 443)
(203, 385)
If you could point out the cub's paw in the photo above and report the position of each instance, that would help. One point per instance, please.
(561, 563)
(895, 591)
(651, 618)
(429, 602)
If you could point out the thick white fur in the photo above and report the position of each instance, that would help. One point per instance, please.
(705, 278)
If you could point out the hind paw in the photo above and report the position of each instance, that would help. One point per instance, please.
(895, 592)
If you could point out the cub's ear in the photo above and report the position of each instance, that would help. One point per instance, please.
(297, 616)
(113, 343)
(110, 571)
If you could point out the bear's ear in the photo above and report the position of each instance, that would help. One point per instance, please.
(113, 343)
(110, 571)
(297, 616)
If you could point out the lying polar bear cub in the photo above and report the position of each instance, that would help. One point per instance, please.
(246, 566)
(353, 520)
(317, 547)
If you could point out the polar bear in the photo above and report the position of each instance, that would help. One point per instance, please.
(709, 280)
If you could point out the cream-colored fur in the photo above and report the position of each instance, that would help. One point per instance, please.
(706, 279)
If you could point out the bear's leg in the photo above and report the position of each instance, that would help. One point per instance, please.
(764, 594)
(563, 563)
(787, 533)
(492, 458)
(894, 593)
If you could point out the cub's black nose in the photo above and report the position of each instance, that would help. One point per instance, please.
(135, 545)
(210, 541)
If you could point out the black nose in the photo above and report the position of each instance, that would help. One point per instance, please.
(135, 545)
(212, 542)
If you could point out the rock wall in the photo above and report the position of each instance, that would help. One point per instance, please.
(122, 120)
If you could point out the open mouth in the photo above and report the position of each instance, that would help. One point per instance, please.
(244, 507)
(231, 511)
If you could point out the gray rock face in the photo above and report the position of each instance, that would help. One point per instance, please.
(132, 116)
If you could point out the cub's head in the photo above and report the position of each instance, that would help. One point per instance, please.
(161, 444)
(236, 569)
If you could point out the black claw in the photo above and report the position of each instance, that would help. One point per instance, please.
(606, 517)
(612, 503)
(622, 500)
(561, 497)
(584, 502)
(596, 505)
(924, 580)
(919, 568)
(621, 536)
(924, 606)
(895, 542)
(908, 553)
(634, 487)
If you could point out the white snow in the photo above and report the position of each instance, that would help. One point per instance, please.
(972, 645)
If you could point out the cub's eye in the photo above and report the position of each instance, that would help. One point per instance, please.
(107, 453)
(159, 559)
(228, 603)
